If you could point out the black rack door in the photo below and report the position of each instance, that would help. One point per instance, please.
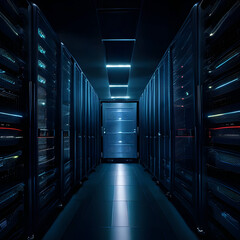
(67, 123)
(184, 63)
(44, 76)
(222, 116)
(13, 120)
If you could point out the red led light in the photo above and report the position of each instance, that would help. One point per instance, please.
(181, 86)
(182, 98)
(182, 66)
(181, 76)
(14, 129)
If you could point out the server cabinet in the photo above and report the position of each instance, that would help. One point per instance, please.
(67, 113)
(89, 124)
(164, 121)
(85, 108)
(14, 161)
(145, 128)
(45, 158)
(221, 34)
(79, 123)
(152, 157)
(185, 119)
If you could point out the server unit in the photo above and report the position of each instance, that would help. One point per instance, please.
(221, 39)
(44, 125)
(67, 112)
(14, 163)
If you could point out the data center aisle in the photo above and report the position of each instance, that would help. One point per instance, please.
(119, 202)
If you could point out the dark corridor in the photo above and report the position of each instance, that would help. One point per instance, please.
(119, 119)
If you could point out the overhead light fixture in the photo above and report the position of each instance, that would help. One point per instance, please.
(115, 97)
(118, 86)
(118, 66)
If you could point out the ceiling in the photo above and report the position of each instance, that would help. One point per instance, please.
(113, 32)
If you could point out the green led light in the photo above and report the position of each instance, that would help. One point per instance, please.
(41, 79)
(41, 49)
(187, 93)
(41, 34)
(41, 64)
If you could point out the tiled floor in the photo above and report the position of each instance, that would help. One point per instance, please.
(119, 202)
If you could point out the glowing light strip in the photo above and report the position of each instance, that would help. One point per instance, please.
(225, 84)
(11, 115)
(118, 86)
(14, 129)
(120, 97)
(118, 66)
(227, 60)
(222, 114)
(2, 71)
(229, 127)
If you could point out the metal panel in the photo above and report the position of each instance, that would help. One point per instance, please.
(119, 130)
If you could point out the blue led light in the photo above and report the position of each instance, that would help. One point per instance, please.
(2, 71)
(225, 84)
(222, 114)
(41, 49)
(41, 64)
(11, 115)
(41, 34)
(41, 79)
(227, 60)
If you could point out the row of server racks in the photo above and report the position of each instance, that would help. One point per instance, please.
(49, 122)
(190, 116)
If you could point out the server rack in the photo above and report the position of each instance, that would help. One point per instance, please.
(221, 34)
(155, 99)
(14, 161)
(44, 156)
(67, 122)
(85, 102)
(89, 121)
(152, 140)
(79, 124)
(164, 124)
(185, 114)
